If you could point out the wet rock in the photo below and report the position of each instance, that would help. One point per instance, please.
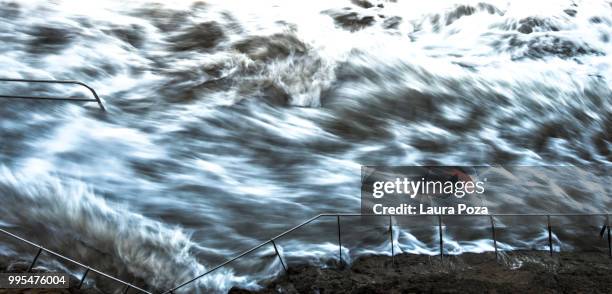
(466, 273)
(489, 8)
(46, 39)
(352, 20)
(265, 48)
(548, 45)
(467, 10)
(595, 19)
(570, 12)
(133, 35)
(362, 3)
(392, 22)
(274, 95)
(530, 24)
(459, 12)
(203, 36)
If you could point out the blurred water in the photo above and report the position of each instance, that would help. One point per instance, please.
(231, 121)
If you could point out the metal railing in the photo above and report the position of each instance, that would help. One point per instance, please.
(272, 242)
(93, 92)
(88, 269)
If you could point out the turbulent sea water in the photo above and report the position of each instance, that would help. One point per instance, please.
(231, 121)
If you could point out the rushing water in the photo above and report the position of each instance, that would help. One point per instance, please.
(231, 121)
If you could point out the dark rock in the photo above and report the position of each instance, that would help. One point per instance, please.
(380, 6)
(525, 29)
(547, 45)
(352, 21)
(133, 35)
(459, 12)
(392, 22)
(570, 12)
(466, 10)
(50, 39)
(362, 3)
(595, 19)
(266, 48)
(274, 95)
(530, 24)
(203, 36)
(489, 8)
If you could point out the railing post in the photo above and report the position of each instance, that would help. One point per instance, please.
(127, 288)
(339, 240)
(441, 237)
(83, 278)
(550, 244)
(494, 237)
(35, 259)
(609, 240)
(278, 254)
(95, 96)
(391, 237)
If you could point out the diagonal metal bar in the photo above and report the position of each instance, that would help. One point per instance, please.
(40, 250)
(278, 254)
(83, 278)
(240, 255)
(48, 251)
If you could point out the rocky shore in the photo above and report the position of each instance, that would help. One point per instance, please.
(517, 272)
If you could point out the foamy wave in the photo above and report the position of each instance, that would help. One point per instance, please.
(103, 235)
